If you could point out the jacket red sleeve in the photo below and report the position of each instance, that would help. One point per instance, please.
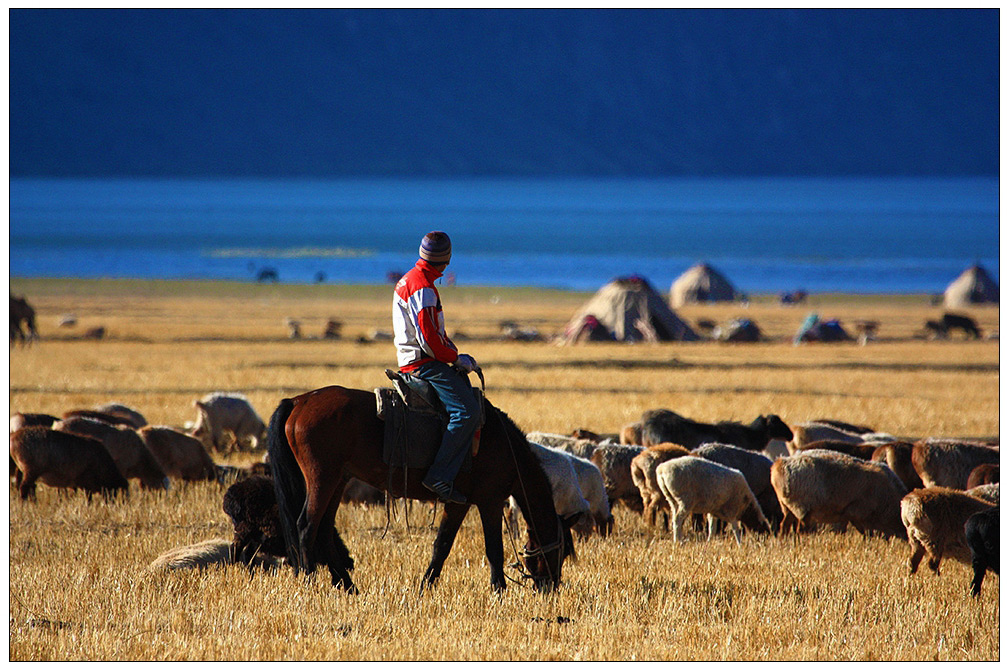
(441, 346)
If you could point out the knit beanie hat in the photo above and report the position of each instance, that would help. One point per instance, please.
(436, 247)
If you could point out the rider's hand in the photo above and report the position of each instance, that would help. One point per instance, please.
(466, 363)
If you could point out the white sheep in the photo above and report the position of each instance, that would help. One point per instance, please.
(592, 488)
(566, 493)
(693, 485)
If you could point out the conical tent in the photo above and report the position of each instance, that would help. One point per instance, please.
(701, 284)
(973, 286)
(627, 309)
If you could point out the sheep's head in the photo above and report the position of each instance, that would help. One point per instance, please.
(777, 428)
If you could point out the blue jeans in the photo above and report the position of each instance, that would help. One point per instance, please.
(455, 392)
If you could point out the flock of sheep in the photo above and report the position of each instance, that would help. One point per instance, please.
(941, 495)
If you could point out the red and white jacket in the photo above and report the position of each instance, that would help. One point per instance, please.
(418, 320)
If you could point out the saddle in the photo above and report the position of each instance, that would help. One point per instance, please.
(415, 420)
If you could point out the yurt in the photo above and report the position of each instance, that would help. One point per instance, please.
(627, 309)
(701, 284)
(972, 287)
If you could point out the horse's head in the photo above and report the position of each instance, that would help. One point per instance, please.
(544, 562)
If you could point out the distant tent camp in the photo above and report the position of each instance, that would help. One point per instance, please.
(701, 284)
(973, 286)
(627, 309)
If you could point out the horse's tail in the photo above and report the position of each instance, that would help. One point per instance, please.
(288, 481)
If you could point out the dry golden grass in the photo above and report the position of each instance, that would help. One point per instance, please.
(79, 589)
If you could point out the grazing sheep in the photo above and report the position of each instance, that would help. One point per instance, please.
(586, 434)
(814, 431)
(990, 492)
(131, 456)
(581, 447)
(226, 421)
(934, 519)
(60, 459)
(643, 470)
(693, 485)
(982, 533)
(214, 552)
(251, 505)
(592, 486)
(630, 434)
(899, 457)
(179, 454)
(755, 467)
(613, 461)
(859, 450)
(822, 486)
(667, 427)
(566, 494)
(126, 414)
(97, 416)
(983, 474)
(947, 462)
(844, 426)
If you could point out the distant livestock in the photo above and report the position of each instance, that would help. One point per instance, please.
(643, 470)
(941, 328)
(693, 485)
(826, 487)
(22, 322)
(214, 552)
(755, 467)
(668, 427)
(983, 474)
(946, 462)
(227, 421)
(131, 456)
(934, 519)
(982, 533)
(180, 455)
(613, 461)
(899, 457)
(65, 460)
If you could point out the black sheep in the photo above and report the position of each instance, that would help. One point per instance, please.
(982, 531)
(251, 505)
(664, 426)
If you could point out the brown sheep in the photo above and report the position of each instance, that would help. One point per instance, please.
(643, 470)
(614, 463)
(947, 462)
(822, 486)
(60, 459)
(934, 519)
(859, 450)
(180, 455)
(630, 434)
(125, 414)
(127, 449)
(899, 457)
(983, 474)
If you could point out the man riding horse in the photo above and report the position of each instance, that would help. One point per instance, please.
(425, 351)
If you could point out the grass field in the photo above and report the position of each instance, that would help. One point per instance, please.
(79, 589)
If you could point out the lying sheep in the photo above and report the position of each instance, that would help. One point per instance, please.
(982, 533)
(822, 486)
(251, 505)
(214, 552)
(613, 461)
(755, 467)
(899, 457)
(643, 470)
(948, 462)
(934, 519)
(693, 485)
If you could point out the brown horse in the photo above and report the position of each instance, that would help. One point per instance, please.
(319, 440)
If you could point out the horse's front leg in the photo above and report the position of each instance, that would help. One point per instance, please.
(451, 522)
(493, 538)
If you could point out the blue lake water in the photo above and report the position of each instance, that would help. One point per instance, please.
(764, 235)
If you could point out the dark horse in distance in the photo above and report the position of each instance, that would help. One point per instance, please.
(319, 440)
